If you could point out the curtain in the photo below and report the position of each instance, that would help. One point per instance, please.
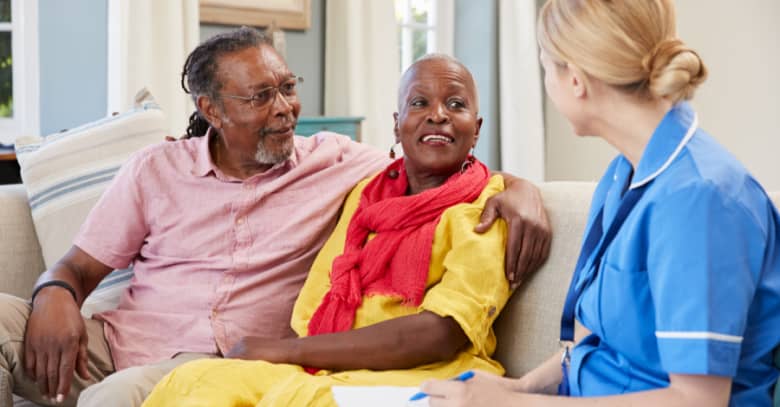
(362, 65)
(148, 43)
(521, 97)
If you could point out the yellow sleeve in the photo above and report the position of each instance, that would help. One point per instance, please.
(318, 281)
(473, 288)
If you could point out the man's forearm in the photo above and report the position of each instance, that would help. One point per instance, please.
(65, 273)
(77, 269)
(399, 343)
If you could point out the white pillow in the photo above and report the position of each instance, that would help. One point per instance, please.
(65, 174)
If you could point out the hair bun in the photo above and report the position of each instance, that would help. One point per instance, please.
(673, 70)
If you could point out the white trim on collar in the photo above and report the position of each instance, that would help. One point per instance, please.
(671, 158)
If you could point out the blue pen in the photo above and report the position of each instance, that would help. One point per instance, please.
(461, 378)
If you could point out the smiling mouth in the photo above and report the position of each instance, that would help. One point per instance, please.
(277, 132)
(437, 139)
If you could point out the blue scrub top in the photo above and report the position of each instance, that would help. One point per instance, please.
(691, 282)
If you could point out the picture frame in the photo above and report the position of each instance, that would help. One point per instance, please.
(287, 14)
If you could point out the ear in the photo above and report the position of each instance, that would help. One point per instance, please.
(210, 111)
(476, 132)
(578, 81)
(395, 128)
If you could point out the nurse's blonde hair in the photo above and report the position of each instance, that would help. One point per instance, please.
(629, 44)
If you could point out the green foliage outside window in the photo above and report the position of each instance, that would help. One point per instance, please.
(5, 11)
(6, 76)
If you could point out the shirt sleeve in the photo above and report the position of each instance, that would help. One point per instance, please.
(116, 227)
(473, 288)
(363, 159)
(703, 267)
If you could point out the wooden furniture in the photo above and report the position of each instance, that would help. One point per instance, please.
(9, 168)
(348, 126)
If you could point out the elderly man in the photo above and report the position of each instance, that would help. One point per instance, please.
(221, 229)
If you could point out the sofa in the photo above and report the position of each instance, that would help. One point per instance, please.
(527, 329)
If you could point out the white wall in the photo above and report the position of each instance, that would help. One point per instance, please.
(739, 104)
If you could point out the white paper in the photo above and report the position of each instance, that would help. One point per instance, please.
(376, 396)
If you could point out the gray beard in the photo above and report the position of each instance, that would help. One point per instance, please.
(264, 156)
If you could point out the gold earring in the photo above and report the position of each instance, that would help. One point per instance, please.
(466, 164)
(392, 151)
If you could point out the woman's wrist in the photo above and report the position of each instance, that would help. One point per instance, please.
(542, 380)
(524, 385)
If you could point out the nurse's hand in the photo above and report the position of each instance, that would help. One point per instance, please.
(484, 389)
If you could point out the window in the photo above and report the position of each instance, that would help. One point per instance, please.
(18, 69)
(424, 26)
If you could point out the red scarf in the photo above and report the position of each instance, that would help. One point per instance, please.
(396, 261)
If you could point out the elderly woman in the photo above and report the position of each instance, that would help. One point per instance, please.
(404, 289)
(678, 285)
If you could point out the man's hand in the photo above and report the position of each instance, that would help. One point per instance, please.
(483, 389)
(55, 343)
(269, 350)
(528, 243)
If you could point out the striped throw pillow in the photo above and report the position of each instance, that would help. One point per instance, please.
(65, 174)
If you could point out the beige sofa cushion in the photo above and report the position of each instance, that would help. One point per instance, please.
(20, 255)
(527, 329)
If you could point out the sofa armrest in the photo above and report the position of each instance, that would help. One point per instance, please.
(21, 260)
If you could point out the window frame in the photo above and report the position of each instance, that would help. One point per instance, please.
(25, 71)
(440, 27)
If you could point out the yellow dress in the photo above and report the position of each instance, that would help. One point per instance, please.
(465, 281)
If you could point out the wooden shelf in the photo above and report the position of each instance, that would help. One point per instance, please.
(9, 168)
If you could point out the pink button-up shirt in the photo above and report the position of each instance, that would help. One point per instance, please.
(215, 258)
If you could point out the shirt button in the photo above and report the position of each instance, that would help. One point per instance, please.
(240, 221)
(491, 311)
(213, 313)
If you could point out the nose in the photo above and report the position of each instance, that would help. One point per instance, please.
(280, 106)
(438, 114)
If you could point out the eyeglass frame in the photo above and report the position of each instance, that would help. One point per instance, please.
(276, 91)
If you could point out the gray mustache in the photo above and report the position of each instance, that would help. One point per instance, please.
(267, 130)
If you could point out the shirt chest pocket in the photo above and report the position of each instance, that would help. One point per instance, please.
(180, 232)
(294, 219)
(626, 308)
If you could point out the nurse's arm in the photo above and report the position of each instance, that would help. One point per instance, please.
(683, 390)
(545, 378)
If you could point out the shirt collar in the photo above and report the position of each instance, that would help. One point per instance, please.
(203, 163)
(672, 134)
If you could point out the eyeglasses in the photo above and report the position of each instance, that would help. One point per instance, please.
(288, 89)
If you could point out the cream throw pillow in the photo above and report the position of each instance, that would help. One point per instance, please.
(65, 174)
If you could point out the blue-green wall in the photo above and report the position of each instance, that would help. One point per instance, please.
(73, 58)
(475, 42)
